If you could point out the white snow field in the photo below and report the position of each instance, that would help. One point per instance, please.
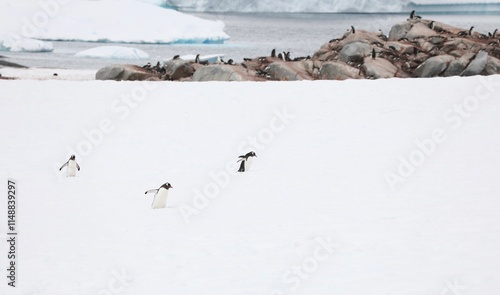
(119, 52)
(360, 187)
(125, 21)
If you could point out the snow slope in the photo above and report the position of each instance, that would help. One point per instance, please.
(106, 20)
(315, 215)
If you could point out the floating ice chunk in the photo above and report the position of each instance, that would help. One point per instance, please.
(209, 58)
(113, 52)
(12, 42)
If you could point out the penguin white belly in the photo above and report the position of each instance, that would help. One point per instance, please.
(71, 169)
(160, 199)
(248, 163)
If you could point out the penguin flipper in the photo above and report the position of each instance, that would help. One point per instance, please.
(77, 166)
(64, 165)
(242, 166)
(151, 191)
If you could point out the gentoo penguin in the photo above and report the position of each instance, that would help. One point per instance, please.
(413, 15)
(161, 194)
(246, 161)
(470, 30)
(374, 54)
(382, 36)
(353, 30)
(72, 166)
(175, 57)
(273, 52)
(431, 25)
(494, 33)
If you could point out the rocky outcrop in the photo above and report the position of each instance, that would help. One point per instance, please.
(4, 63)
(220, 73)
(337, 71)
(378, 68)
(477, 65)
(414, 48)
(434, 66)
(354, 52)
(125, 72)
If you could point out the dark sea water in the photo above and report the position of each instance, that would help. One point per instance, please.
(252, 35)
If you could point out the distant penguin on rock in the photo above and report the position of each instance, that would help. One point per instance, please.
(470, 30)
(246, 161)
(71, 166)
(273, 53)
(161, 194)
(414, 16)
(374, 54)
(353, 30)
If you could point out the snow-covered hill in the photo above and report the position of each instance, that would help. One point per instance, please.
(359, 187)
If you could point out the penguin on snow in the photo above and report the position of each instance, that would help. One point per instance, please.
(161, 194)
(246, 161)
(72, 166)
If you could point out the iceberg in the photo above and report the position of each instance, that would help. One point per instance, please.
(210, 57)
(123, 21)
(333, 6)
(12, 42)
(113, 52)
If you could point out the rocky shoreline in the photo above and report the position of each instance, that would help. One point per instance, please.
(414, 48)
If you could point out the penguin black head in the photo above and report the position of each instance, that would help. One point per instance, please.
(251, 154)
(72, 157)
(176, 57)
(166, 186)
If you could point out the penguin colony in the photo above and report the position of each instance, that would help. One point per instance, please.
(406, 52)
(161, 193)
